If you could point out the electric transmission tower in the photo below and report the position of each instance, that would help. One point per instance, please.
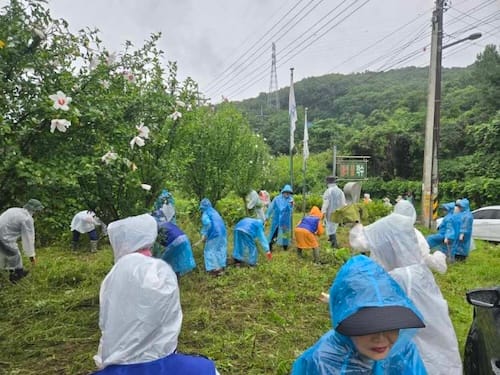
(273, 99)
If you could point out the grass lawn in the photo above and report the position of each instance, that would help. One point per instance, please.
(250, 321)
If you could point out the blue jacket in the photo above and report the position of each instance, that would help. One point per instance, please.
(309, 223)
(171, 364)
(361, 283)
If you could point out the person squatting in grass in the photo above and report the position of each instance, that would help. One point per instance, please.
(140, 315)
(15, 223)
(245, 234)
(214, 235)
(174, 247)
(280, 211)
(86, 222)
(372, 321)
(307, 232)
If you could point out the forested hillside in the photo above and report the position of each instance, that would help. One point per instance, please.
(382, 115)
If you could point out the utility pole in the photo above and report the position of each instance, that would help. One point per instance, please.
(430, 169)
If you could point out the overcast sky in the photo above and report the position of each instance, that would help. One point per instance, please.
(225, 45)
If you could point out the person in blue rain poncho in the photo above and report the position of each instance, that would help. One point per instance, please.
(464, 221)
(174, 247)
(164, 207)
(445, 238)
(280, 211)
(246, 232)
(140, 315)
(214, 235)
(393, 243)
(371, 317)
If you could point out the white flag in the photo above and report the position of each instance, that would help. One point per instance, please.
(306, 137)
(292, 112)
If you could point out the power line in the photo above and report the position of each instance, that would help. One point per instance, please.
(275, 38)
(253, 45)
(251, 83)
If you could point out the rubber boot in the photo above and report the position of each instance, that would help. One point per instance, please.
(300, 253)
(74, 245)
(333, 240)
(316, 255)
(17, 274)
(93, 246)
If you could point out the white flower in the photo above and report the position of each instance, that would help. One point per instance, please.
(189, 107)
(174, 116)
(137, 141)
(143, 131)
(180, 103)
(129, 76)
(146, 187)
(60, 124)
(61, 101)
(105, 83)
(109, 157)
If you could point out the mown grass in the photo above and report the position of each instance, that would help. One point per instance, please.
(251, 321)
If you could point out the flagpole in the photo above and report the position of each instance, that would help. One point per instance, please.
(304, 166)
(292, 111)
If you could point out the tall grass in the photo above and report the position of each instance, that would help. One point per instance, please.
(250, 321)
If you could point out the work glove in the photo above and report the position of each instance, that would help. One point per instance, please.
(269, 255)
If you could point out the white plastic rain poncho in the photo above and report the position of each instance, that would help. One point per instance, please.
(140, 315)
(333, 199)
(392, 242)
(86, 221)
(14, 223)
(361, 283)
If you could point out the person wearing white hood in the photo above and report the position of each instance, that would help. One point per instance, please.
(17, 223)
(140, 315)
(393, 242)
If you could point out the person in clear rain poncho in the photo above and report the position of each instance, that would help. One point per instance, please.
(255, 205)
(140, 315)
(214, 235)
(246, 232)
(373, 323)
(86, 222)
(392, 242)
(333, 199)
(280, 212)
(15, 223)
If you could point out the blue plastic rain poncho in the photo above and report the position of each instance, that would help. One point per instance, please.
(446, 230)
(140, 315)
(214, 231)
(392, 242)
(164, 207)
(174, 247)
(360, 283)
(464, 225)
(280, 212)
(14, 223)
(246, 232)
